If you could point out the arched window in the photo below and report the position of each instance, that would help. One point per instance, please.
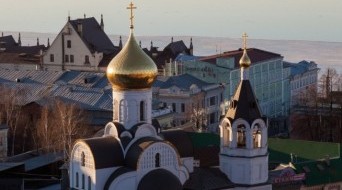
(123, 111)
(257, 137)
(89, 183)
(157, 160)
(82, 159)
(142, 111)
(241, 136)
(116, 110)
(86, 59)
(76, 178)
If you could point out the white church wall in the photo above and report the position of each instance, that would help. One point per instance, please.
(188, 162)
(168, 160)
(245, 170)
(125, 181)
(129, 106)
(102, 175)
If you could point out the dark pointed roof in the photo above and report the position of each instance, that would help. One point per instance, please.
(160, 179)
(244, 103)
(8, 41)
(93, 36)
(106, 151)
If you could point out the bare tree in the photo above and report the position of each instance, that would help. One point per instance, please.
(197, 112)
(60, 125)
(11, 110)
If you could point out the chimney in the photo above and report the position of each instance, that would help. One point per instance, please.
(102, 24)
(79, 27)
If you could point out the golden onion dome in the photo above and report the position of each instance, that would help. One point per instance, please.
(245, 62)
(131, 68)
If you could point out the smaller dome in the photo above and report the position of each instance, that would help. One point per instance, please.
(245, 61)
(131, 68)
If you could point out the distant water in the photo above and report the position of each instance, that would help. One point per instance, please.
(325, 54)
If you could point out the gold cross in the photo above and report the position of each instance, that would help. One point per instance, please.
(244, 37)
(131, 7)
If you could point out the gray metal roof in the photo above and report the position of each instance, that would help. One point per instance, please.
(183, 82)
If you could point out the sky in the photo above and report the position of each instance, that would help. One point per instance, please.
(313, 20)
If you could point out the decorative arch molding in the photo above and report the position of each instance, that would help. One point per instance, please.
(168, 159)
(110, 129)
(145, 130)
(244, 135)
(259, 140)
(226, 132)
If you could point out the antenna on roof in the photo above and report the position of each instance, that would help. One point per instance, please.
(102, 24)
(48, 43)
(68, 15)
(19, 40)
(37, 41)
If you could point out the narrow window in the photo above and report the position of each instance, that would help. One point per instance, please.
(66, 58)
(142, 111)
(71, 58)
(157, 160)
(89, 183)
(86, 59)
(241, 136)
(83, 182)
(183, 107)
(52, 58)
(174, 107)
(76, 179)
(69, 44)
(82, 159)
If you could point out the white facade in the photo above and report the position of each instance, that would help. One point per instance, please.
(70, 52)
(132, 106)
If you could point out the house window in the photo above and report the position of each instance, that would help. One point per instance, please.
(52, 58)
(157, 160)
(142, 111)
(212, 101)
(86, 59)
(212, 118)
(82, 159)
(89, 183)
(174, 107)
(69, 44)
(71, 58)
(66, 58)
(76, 179)
(183, 107)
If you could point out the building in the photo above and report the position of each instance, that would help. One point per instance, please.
(194, 101)
(267, 76)
(303, 80)
(134, 154)
(14, 56)
(81, 45)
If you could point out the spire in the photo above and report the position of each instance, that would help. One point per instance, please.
(102, 24)
(19, 40)
(48, 43)
(68, 15)
(245, 62)
(191, 48)
(120, 43)
(151, 46)
(172, 39)
(84, 15)
(140, 43)
(131, 7)
(37, 41)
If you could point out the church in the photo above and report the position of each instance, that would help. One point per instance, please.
(133, 152)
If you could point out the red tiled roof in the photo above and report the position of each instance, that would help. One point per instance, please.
(256, 55)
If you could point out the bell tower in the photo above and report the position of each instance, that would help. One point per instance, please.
(243, 135)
